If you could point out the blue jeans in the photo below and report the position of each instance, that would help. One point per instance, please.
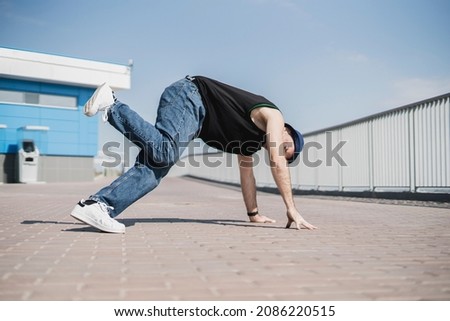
(179, 119)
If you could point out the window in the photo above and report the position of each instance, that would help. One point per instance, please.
(37, 99)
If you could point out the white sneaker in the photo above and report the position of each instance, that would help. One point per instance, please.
(101, 99)
(96, 214)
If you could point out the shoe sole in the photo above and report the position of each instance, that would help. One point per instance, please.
(88, 106)
(86, 219)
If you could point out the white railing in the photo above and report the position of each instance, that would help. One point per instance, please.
(406, 149)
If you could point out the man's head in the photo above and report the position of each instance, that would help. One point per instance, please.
(293, 143)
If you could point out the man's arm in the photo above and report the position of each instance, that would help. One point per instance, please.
(248, 183)
(280, 169)
(248, 187)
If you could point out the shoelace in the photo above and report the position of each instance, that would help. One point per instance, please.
(104, 207)
(105, 114)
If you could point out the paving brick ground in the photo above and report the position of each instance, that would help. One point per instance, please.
(189, 240)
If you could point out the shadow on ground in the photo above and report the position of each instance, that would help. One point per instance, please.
(133, 221)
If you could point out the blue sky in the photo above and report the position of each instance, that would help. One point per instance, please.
(323, 62)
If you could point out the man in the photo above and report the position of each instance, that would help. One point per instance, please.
(225, 117)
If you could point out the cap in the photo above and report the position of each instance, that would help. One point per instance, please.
(298, 142)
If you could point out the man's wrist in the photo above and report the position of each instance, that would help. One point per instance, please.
(291, 208)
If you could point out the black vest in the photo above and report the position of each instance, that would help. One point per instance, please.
(227, 125)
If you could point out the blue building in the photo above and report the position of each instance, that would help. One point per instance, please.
(41, 99)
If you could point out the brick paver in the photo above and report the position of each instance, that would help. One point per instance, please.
(189, 240)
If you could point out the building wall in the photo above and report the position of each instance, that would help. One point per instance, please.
(64, 136)
(51, 169)
(70, 132)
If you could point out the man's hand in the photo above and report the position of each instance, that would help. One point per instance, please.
(295, 217)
